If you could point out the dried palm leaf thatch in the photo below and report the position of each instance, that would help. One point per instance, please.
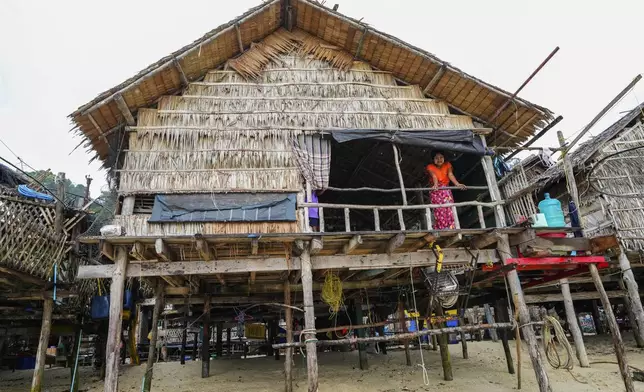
(198, 104)
(138, 225)
(208, 159)
(324, 51)
(251, 62)
(172, 181)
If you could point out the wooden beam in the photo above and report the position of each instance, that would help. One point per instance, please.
(124, 109)
(353, 243)
(156, 314)
(432, 83)
(205, 350)
(254, 246)
(239, 39)
(184, 290)
(484, 240)
(359, 49)
(101, 135)
(395, 242)
(182, 75)
(573, 324)
(309, 322)
(204, 251)
(288, 318)
(139, 252)
(23, 276)
(107, 250)
(163, 251)
(251, 279)
(578, 296)
(181, 268)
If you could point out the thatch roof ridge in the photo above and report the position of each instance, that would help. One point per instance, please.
(99, 119)
(590, 147)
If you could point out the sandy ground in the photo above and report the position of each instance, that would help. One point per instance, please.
(485, 371)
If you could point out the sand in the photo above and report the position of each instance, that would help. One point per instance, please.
(485, 371)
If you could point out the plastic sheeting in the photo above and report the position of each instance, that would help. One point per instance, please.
(224, 207)
(458, 140)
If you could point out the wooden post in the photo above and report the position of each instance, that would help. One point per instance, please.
(205, 345)
(127, 207)
(443, 342)
(184, 333)
(403, 193)
(154, 334)
(41, 354)
(219, 342)
(524, 318)
(633, 297)
(288, 356)
(78, 336)
(309, 320)
(117, 289)
(631, 316)
(362, 348)
(614, 329)
(501, 308)
(490, 320)
(403, 328)
(229, 347)
(60, 207)
(194, 346)
(599, 327)
(573, 324)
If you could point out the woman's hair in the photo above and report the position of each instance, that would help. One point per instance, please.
(437, 152)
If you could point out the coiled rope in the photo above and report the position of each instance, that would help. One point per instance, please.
(333, 296)
(550, 345)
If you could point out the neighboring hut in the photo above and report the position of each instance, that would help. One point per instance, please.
(216, 152)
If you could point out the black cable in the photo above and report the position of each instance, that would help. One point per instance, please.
(592, 184)
(36, 181)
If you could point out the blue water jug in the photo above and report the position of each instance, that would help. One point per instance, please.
(551, 208)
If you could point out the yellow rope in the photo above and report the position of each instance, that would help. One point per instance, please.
(332, 293)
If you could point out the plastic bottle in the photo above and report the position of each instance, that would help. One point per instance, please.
(551, 208)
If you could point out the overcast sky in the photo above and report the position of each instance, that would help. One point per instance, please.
(58, 55)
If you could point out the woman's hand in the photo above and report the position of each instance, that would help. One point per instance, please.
(461, 186)
(435, 186)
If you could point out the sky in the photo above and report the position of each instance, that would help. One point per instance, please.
(56, 56)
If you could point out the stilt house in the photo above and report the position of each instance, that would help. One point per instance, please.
(218, 149)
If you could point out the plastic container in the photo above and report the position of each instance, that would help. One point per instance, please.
(551, 208)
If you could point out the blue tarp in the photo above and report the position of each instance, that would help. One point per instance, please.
(28, 192)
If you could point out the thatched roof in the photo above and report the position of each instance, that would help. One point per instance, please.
(99, 120)
(580, 156)
(11, 178)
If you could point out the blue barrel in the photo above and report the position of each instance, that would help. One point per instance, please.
(551, 208)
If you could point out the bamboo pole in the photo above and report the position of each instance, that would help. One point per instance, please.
(634, 299)
(117, 289)
(78, 336)
(205, 344)
(401, 336)
(154, 334)
(309, 320)
(614, 329)
(43, 341)
(403, 329)
(288, 356)
(490, 320)
(184, 333)
(400, 176)
(219, 342)
(573, 325)
(631, 316)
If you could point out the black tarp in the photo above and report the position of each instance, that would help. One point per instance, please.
(224, 207)
(457, 140)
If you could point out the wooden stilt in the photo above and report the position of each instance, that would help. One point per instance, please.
(288, 356)
(501, 308)
(466, 354)
(524, 319)
(229, 347)
(634, 297)
(184, 333)
(573, 324)
(205, 345)
(219, 342)
(382, 345)
(490, 320)
(117, 289)
(154, 334)
(597, 320)
(614, 329)
(194, 346)
(403, 329)
(362, 348)
(631, 316)
(78, 336)
(309, 320)
(43, 342)
(443, 342)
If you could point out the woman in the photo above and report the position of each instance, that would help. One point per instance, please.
(440, 174)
